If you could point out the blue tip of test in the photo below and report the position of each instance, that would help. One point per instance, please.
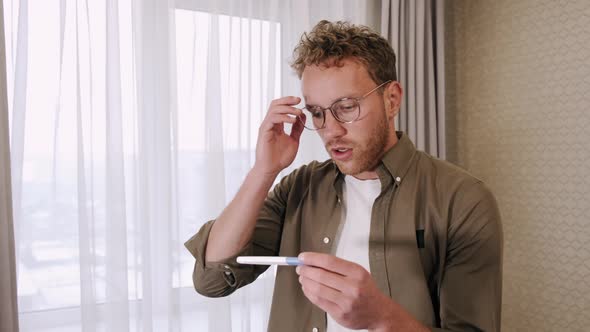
(293, 261)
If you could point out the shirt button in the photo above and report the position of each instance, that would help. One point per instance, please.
(339, 200)
(226, 267)
(398, 179)
(326, 240)
(315, 329)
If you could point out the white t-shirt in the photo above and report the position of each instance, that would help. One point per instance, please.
(352, 242)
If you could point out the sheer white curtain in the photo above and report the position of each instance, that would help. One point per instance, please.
(131, 124)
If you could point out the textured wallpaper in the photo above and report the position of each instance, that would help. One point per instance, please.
(518, 103)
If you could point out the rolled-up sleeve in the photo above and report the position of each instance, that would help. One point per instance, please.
(221, 278)
(471, 287)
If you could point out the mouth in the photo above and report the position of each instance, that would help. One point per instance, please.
(341, 153)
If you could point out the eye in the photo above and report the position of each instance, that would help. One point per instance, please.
(316, 112)
(347, 106)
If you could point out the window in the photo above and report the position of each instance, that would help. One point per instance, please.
(65, 150)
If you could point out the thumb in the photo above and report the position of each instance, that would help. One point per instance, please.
(297, 128)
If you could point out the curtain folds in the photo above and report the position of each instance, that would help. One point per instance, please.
(8, 281)
(415, 30)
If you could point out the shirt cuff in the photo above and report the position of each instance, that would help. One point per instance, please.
(219, 278)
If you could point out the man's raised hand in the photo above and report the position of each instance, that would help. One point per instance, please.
(275, 149)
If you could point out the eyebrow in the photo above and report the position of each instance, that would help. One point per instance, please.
(332, 102)
(311, 105)
(308, 104)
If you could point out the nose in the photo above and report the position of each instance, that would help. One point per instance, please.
(332, 127)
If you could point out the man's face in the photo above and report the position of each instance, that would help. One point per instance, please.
(355, 147)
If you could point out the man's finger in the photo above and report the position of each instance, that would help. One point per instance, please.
(297, 128)
(324, 277)
(324, 304)
(321, 291)
(288, 100)
(331, 263)
(282, 118)
(273, 120)
(284, 109)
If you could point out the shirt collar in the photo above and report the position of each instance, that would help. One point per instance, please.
(394, 164)
(398, 159)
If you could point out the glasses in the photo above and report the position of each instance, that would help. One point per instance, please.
(345, 110)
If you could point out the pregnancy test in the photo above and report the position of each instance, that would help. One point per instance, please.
(268, 260)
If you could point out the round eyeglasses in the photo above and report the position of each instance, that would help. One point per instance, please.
(345, 110)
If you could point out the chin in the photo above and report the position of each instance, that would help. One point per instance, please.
(349, 168)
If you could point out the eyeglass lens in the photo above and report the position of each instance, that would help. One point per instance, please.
(346, 110)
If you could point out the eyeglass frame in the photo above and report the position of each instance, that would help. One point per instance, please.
(358, 101)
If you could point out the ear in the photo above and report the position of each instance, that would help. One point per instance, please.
(392, 97)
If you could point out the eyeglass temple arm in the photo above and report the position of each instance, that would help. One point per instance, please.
(377, 87)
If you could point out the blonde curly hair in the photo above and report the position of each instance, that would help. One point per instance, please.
(328, 43)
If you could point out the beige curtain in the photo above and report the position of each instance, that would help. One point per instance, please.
(415, 29)
(8, 301)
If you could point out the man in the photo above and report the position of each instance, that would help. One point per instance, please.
(391, 238)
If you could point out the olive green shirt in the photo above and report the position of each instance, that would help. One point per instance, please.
(435, 243)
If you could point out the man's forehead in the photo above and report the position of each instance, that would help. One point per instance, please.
(335, 65)
(348, 71)
(324, 88)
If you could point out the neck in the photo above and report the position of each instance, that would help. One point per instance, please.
(371, 173)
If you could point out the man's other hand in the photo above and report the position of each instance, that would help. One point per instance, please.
(348, 293)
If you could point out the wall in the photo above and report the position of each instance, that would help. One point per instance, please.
(518, 103)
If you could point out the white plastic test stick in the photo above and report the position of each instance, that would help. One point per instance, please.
(268, 260)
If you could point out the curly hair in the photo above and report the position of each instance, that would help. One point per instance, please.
(328, 43)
